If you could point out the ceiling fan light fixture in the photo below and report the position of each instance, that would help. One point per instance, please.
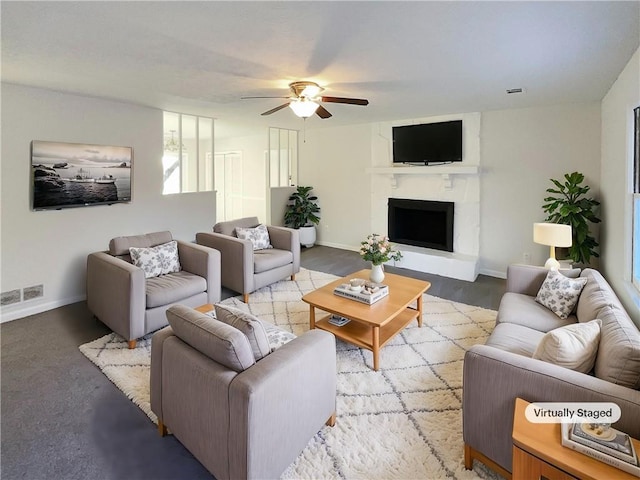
(311, 91)
(303, 107)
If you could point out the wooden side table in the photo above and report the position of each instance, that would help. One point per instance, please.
(538, 454)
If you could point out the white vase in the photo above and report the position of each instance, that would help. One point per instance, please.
(377, 273)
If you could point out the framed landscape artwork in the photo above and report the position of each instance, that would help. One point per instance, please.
(65, 175)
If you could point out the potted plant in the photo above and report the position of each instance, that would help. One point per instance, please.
(377, 249)
(570, 206)
(302, 214)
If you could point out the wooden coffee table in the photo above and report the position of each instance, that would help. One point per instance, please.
(371, 326)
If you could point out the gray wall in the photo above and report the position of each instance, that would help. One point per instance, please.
(51, 247)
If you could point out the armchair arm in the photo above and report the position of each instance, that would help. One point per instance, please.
(236, 260)
(285, 238)
(280, 403)
(116, 294)
(527, 279)
(493, 378)
(204, 262)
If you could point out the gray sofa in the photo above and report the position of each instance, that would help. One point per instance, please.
(496, 373)
(244, 269)
(241, 418)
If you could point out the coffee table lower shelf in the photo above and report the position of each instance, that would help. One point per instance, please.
(363, 335)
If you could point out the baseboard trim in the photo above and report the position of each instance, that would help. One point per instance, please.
(493, 273)
(25, 310)
(339, 245)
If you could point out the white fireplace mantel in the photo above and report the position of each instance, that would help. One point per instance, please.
(443, 170)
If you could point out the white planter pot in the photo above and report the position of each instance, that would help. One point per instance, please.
(307, 236)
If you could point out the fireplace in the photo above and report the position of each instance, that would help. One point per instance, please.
(421, 223)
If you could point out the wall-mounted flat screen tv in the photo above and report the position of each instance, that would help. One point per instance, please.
(65, 175)
(427, 143)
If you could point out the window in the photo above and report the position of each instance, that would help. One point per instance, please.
(636, 199)
(187, 160)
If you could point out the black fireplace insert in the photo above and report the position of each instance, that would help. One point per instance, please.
(422, 223)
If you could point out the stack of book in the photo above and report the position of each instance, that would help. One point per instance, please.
(370, 294)
(338, 321)
(608, 445)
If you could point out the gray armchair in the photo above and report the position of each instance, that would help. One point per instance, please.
(244, 269)
(120, 296)
(240, 418)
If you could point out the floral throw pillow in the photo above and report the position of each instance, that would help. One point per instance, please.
(259, 236)
(158, 260)
(560, 294)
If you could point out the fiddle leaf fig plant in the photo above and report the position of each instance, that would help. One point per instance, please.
(302, 209)
(570, 205)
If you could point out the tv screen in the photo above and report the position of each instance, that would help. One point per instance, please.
(65, 175)
(428, 143)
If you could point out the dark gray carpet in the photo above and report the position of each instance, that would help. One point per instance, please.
(62, 418)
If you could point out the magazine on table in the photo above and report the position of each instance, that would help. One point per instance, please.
(338, 321)
(614, 448)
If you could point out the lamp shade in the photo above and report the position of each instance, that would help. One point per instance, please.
(303, 107)
(552, 234)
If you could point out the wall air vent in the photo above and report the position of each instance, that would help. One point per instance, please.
(514, 90)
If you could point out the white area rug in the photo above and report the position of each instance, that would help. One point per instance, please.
(401, 422)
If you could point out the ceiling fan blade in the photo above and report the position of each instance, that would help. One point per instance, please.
(322, 112)
(274, 110)
(350, 101)
(245, 98)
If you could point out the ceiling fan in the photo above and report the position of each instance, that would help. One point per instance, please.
(304, 101)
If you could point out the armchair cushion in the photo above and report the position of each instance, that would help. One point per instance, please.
(220, 342)
(155, 261)
(172, 288)
(259, 236)
(249, 325)
(119, 246)
(265, 260)
(229, 227)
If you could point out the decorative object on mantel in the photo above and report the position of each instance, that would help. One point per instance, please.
(377, 250)
(553, 235)
(301, 214)
(571, 207)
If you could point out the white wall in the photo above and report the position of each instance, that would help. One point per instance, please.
(51, 247)
(521, 150)
(333, 161)
(616, 183)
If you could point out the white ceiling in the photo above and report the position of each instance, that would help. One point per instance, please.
(410, 59)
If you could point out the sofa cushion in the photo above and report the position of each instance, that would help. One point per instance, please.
(228, 227)
(220, 342)
(574, 346)
(172, 288)
(524, 310)
(618, 358)
(155, 261)
(265, 260)
(248, 324)
(596, 295)
(119, 246)
(560, 294)
(515, 339)
(259, 236)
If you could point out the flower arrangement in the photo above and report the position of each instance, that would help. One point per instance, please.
(377, 249)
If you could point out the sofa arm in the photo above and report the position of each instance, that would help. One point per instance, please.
(280, 403)
(116, 294)
(493, 378)
(527, 279)
(285, 238)
(236, 260)
(204, 262)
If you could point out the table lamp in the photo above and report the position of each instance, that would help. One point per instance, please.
(554, 235)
